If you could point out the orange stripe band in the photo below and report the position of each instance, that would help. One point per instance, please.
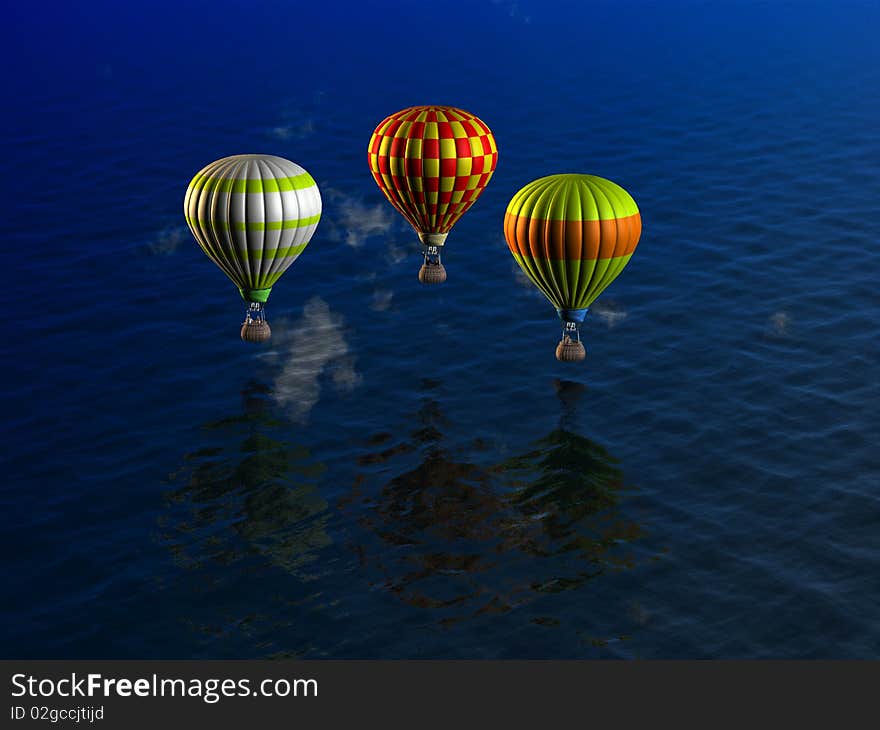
(572, 240)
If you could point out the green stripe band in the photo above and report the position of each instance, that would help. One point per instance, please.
(254, 225)
(572, 284)
(275, 253)
(260, 185)
(572, 197)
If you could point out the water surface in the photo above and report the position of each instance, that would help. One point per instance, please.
(407, 471)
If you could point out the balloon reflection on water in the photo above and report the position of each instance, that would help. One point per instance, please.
(454, 531)
(447, 529)
(247, 493)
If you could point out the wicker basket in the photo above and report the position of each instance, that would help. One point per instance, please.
(432, 273)
(569, 350)
(256, 331)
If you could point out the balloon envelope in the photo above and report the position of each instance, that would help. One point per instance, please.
(253, 215)
(572, 235)
(432, 163)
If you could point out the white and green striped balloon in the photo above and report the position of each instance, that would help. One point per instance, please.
(253, 215)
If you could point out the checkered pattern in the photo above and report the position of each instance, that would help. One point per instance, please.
(432, 163)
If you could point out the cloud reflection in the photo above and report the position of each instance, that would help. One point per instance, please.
(314, 344)
(352, 221)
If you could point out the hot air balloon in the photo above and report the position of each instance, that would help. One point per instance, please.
(432, 163)
(572, 235)
(253, 215)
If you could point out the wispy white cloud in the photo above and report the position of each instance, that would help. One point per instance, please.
(312, 345)
(294, 131)
(778, 324)
(167, 241)
(345, 377)
(352, 221)
(381, 300)
(609, 312)
(513, 10)
(520, 277)
(396, 254)
(298, 118)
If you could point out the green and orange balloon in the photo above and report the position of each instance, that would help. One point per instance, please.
(572, 235)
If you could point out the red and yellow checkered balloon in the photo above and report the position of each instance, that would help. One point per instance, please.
(432, 163)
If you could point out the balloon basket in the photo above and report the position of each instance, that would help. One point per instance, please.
(432, 273)
(256, 332)
(255, 328)
(569, 350)
(570, 347)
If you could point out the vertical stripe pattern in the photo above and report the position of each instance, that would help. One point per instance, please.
(253, 215)
(432, 163)
(572, 235)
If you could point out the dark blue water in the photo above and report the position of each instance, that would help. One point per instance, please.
(407, 471)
